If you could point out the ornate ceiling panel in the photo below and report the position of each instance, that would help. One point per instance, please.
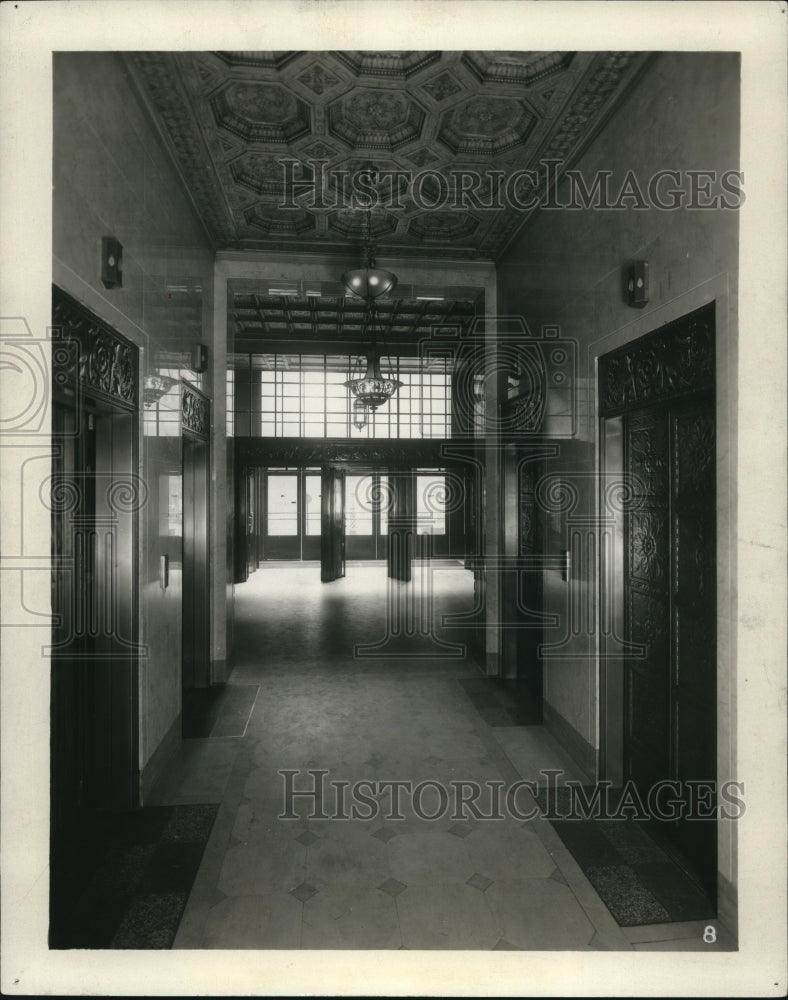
(444, 130)
(273, 321)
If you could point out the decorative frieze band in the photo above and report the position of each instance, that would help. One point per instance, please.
(195, 411)
(672, 361)
(88, 350)
(305, 452)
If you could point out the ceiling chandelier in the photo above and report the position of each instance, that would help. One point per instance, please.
(370, 388)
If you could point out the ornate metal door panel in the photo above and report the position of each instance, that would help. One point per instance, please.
(693, 655)
(96, 499)
(663, 387)
(647, 599)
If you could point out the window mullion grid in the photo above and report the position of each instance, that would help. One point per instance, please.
(301, 396)
(348, 404)
(278, 404)
(399, 404)
(424, 391)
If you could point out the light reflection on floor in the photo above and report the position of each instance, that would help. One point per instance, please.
(377, 882)
(286, 616)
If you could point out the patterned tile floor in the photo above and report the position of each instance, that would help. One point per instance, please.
(373, 881)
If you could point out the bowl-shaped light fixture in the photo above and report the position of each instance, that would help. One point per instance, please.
(373, 388)
(369, 282)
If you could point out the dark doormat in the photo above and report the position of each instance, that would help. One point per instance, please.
(502, 702)
(123, 881)
(223, 710)
(638, 881)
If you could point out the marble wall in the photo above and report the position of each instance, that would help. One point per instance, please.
(567, 270)
(112, 177)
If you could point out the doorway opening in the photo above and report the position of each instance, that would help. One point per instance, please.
(95, 498)
(659, 721)
(286, 519)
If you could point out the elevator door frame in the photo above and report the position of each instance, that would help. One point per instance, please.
(697, 395)
(106, 658)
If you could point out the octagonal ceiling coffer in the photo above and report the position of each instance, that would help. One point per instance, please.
(395, 64)
(276, 223)
(516, 67)
(351, 223)
(259, 172)
(486, 126)
(261, 112)
(443, 227)
(375, 119)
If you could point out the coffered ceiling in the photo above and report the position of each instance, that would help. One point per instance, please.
(230, 119)
(327, 318)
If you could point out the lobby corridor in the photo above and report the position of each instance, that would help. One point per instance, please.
(301, 698)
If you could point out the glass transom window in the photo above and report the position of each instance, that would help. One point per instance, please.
(303, 395)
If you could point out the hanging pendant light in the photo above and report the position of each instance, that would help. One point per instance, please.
(373, 388)
(360, 414)
(369, 281)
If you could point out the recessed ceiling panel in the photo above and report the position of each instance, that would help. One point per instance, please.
(273, 145)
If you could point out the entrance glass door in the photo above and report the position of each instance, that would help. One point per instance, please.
(290, 514)
(310, 537)
(431, 510)
(359, 516)
(367, 502)
(282, 539)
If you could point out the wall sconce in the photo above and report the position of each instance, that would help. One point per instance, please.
(199, 360)
(566, 565)
(164, 572)
(111, 262)
(637, 284)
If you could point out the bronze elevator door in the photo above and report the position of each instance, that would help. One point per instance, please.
(94, 595)
(74, 602)
(670, 610)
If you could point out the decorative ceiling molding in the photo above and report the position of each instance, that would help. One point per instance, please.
(172, 108)
(234, 120)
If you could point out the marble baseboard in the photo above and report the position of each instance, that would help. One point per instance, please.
(578, 748)
(219, 671)
(492, 661)
(728, 905)
(159, 760)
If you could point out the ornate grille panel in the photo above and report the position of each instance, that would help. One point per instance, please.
(87, 350)
(671, 362)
